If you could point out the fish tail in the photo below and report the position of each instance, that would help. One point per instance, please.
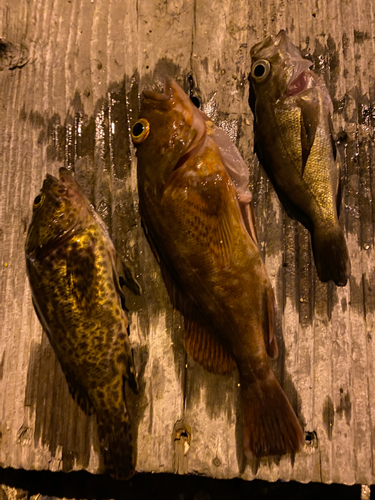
(331, 255)
(270, 424)
(116, 444)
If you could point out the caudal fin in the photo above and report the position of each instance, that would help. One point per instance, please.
(270, 424)
(331, 255)
(116, 445)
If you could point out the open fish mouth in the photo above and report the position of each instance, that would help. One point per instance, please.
(299, 78)
(300, 81)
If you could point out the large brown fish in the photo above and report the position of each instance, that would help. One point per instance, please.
(294, 142)
(75, 276)
(198, 220)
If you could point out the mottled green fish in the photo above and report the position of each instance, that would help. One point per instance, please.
(194, 202)
(75, 276)
(294, 142)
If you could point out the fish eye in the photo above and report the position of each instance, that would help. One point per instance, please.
(140, 131)
(38, 201)
(260, 70)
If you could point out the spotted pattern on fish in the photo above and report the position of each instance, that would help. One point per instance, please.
(71, 265)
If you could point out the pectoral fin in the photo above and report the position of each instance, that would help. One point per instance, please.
(339, 191)
(210, 218)
(338, 163)
(332, 136)
(269, 326)
(309, 124)
(221, 243)
(126, 276)
(249, 220)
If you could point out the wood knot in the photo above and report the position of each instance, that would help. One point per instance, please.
(182, 440)
(311, 440)
(182, 435)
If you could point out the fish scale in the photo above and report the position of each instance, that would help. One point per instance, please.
(195, 207)
(293, 138)
(74, 271)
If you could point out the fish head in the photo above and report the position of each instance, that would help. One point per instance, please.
(278, 70)
(168, 128)
(58, 209)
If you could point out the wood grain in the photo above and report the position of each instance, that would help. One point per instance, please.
(73, 103)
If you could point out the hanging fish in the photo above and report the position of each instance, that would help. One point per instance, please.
(195, 206)
(294, 143)
(75, 276)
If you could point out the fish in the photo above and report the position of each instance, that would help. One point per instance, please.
(195, 207)
(76, 279)
(294, 142)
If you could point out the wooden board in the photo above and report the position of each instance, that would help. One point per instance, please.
(71, 74)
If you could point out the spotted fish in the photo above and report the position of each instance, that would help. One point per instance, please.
(75, 276)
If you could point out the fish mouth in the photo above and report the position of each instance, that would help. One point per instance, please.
(174, 98)
(57, 186)
(299, 82)
(50, 180)
(172, 92)
(161, 97)
(53, 187)
(301, 77)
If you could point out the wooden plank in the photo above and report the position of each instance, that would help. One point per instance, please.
(74, 103)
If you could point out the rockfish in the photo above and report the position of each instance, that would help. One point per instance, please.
(294, 142)
(195, 207)
(76, 276)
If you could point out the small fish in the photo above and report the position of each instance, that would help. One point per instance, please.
(294, 143)
(194, 202)
(75, 276)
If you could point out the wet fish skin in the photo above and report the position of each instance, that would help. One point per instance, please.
(195, 220)
(294, 143)
(74, 274)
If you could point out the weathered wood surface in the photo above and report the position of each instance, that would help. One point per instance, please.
(73, 102)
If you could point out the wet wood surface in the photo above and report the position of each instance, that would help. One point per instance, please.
(71, 74)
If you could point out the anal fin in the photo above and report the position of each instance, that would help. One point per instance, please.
(200, 340)
(76, 390)
(206, 350)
